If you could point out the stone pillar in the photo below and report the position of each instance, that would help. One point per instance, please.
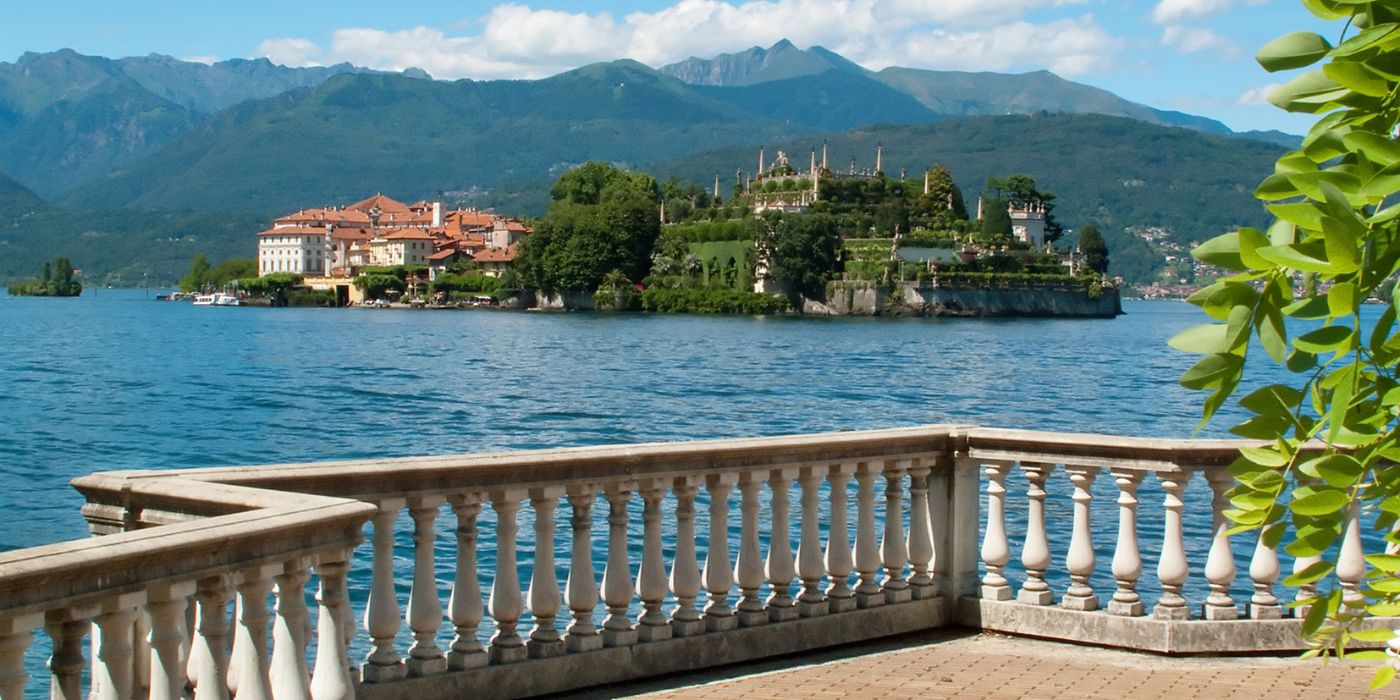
(810, 602)
(1127, 559)
(166, 607)
(1080, 560)
(331, 678)
(995, 550)
(749, 572)
(208, 659)
(289, 677)
(506, 603)
(16, 636)
(465, 604)
(839, 561)
(67, 627)
(685, 568)
(1263, 572)
(382, 610)
(867, 554)
(892, 545)
(1220, 562)
(652, 586)
(582, 634)
(424, 614)
(112, 671)
(617, 577)
(1351, 562)
(920, 533)
(1172, 568)
(780, 562)
(253, 589)
(1035, 554)
(718, 573)
(544, 582)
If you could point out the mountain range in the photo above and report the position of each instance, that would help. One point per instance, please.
(247, 138)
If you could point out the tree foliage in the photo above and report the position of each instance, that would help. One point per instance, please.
(57, 281)
(193, 280)
(996, 221)
(1094, 249)
(1328, 467)
(800, 251)
(602, 219)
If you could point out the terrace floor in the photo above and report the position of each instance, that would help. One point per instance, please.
(969, 665)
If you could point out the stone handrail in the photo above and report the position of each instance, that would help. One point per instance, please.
(203, 534)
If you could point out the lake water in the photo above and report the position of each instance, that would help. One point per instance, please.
(115, 380)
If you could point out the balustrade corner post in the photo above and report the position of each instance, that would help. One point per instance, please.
(251, 667)
(921, 583)
(718, 572)
(1220, 562)
(383, 663)
(867, 550)
(839, 560)
(780, 568)
(506, 603)
(208, 656)
(893, 552)
(288, 674)
(963, 521)
(811, 602)
(582, 634)
(331, 678)
(1172, 567)
(617, 576)
(1127, 556)
(424, 613)
(544, 581)
(995, 549)
(67, 627)
(685, 568)
(112, 670)
(16, 636)
(1035, 553)
(748, 572)
(652, 586)
(1080, 560)
(465, 606)
(1263, 572)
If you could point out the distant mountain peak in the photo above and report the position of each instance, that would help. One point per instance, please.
(781, 61)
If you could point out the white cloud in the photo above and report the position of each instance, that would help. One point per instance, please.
(1257, 95)
(516, 41)
(206, 60)
(291, 52)
(1170, 11)
(1196, 39)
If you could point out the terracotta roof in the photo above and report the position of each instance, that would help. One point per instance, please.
(294, 231)
(387, 205)
(399, 234)
(347, 233)
(496, 255)
(445, 254)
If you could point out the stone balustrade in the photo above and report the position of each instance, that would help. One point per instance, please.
(887, 528)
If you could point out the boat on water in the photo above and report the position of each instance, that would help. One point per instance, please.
(216, 299)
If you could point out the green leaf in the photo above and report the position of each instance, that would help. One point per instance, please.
(1270, 331)
(1377, 148)
(1275, 187)
(1384, 609)
(1356, 77)
(1362, 41)
(1341, 299)
(1210, 370)
(1237, 329)
(1325, 339)
(1383, 676)
(1321, 502)
(1273, 400)
(1250, 240)
(1315, 572)
(1311, 92)
(1389, 563)
(1339, 470)
(1378, 634)
(1264, 456)
(1221, 251)
(1304, 214)
(1308, 308)
(1290, 51)
(1293, 256)
(1340, 242)
(1204, 339)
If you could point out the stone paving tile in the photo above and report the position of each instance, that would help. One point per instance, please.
(995, 667)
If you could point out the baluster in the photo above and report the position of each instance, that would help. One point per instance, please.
(1351, 562)
(1263, 572)
(839, 562)
(582, 586)
(617, 576)
(290, 678)
(141, 651)
(544, 581)
(652, 586)
(331, 678)
(1127, 559)
(251, 650)
(67, 627)
(749, 571)
(867, 552)
(780, 564)
(718, 573)
(465, 604)
(208, 661)
(16, 635)
(1035, 553)
(938, 526)
(1306, 591)
(920, 533)
(810, 603)
(383, 664)
(995, 550)
(892, 548)
(505, 603)
(685, 569)
(166, 607)
(1171, 567)
(424, 614)
(1220, 562)
(1080, 560)
(112, 674)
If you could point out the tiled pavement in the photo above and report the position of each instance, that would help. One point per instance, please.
(993, 666)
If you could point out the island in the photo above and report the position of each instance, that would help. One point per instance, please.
(57, 280)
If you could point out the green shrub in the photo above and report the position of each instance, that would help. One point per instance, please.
(712, 301)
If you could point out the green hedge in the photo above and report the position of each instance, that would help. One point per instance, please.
(709, 231)
(712, 301)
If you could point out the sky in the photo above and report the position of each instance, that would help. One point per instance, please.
(1195, 56)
